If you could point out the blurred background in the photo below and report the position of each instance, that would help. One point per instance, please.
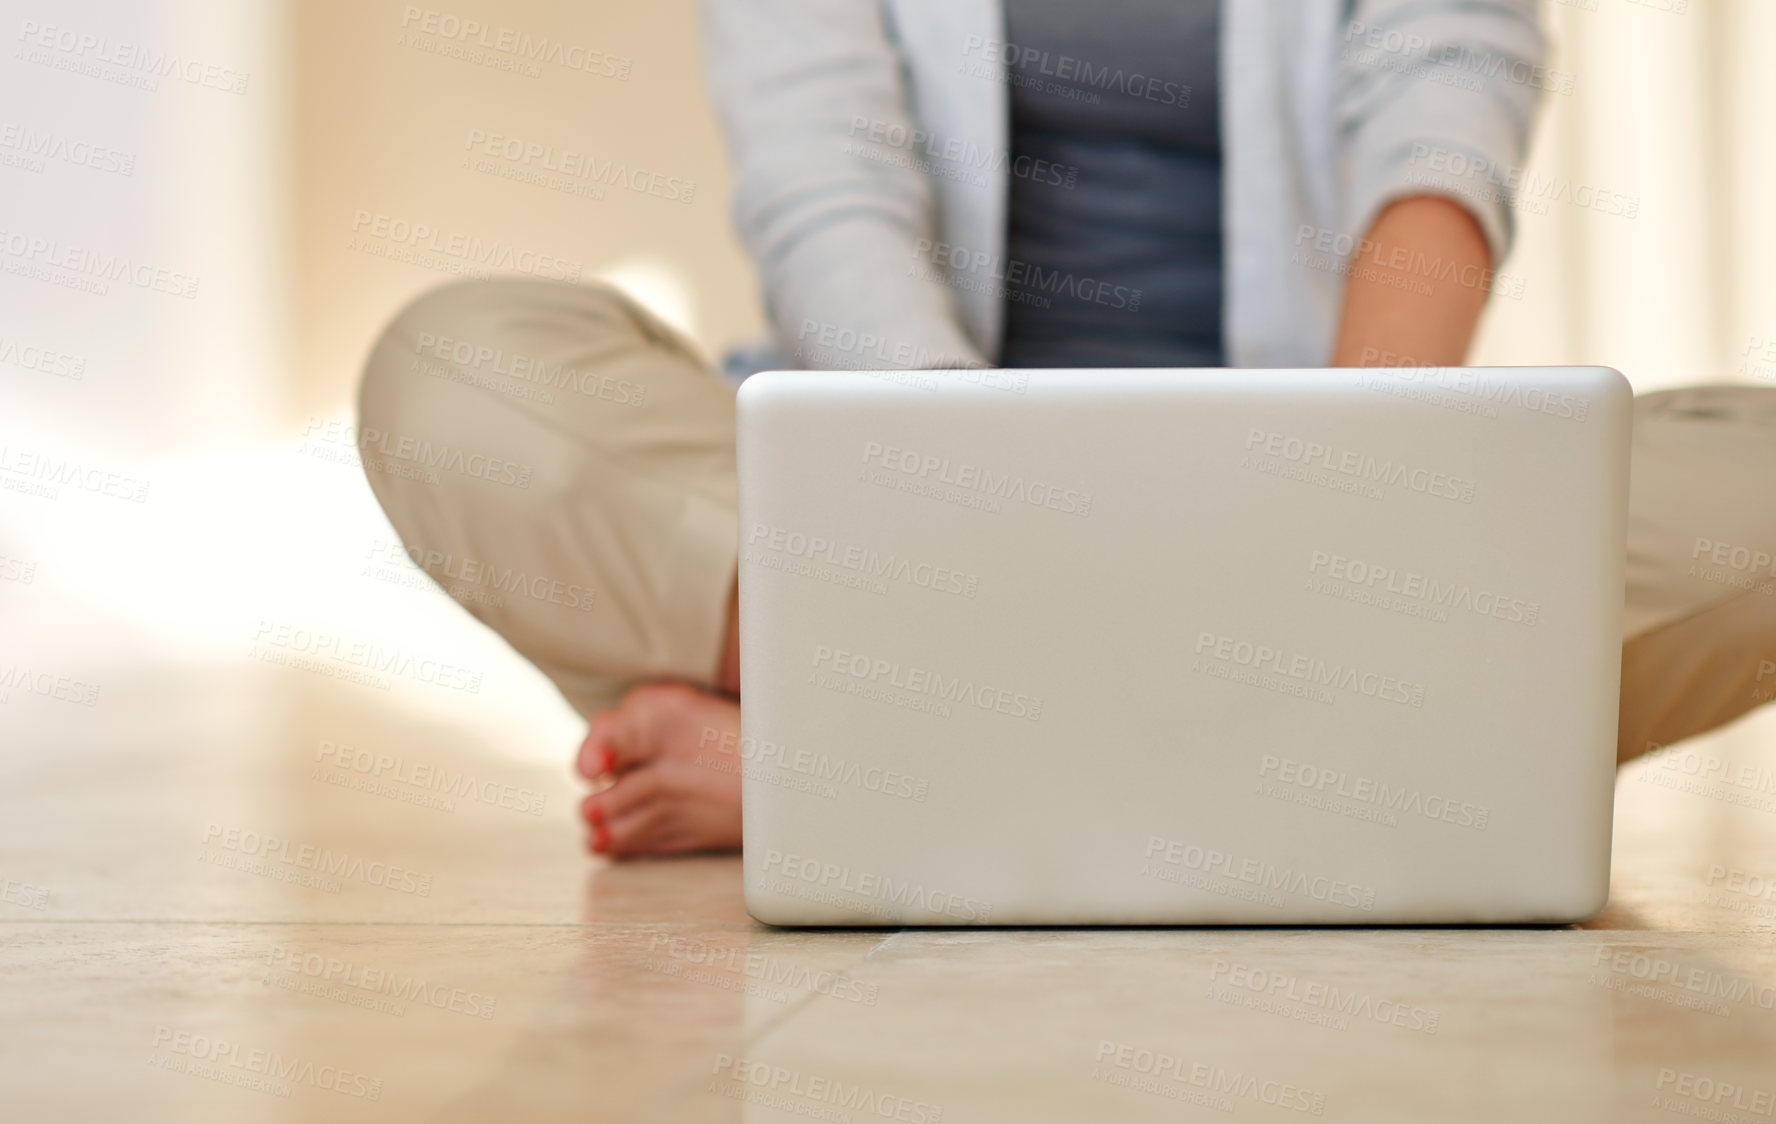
(264, 193)
(209, 209)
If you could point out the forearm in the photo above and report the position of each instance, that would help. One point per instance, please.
(1416, 286)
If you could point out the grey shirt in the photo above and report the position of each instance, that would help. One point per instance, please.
(1113, 237)
(888, 253)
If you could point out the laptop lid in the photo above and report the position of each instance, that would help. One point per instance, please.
(1180, 646)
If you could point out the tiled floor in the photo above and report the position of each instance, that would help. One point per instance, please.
(162, 959)
(477, 964)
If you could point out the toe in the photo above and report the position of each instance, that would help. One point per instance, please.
(641, 831)
(631, 791)
(596, 758)
(630, 734)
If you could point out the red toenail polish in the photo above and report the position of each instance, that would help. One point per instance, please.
(601, 839)
(607, 761)
(595, 814)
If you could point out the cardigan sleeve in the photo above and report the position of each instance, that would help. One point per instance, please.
(840, 237)
(1438, 97)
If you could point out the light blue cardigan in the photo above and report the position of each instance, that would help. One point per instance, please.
(887, 250)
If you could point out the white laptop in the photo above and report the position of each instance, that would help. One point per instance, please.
(1203, 647)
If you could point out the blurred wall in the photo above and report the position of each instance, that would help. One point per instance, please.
(538, 136)
(208, 210)
(293, 199)
(1647, 240)
(145, 198)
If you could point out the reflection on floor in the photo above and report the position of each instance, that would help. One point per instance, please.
(170, 952)
(258, 882)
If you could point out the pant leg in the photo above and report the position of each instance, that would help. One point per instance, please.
(562, 463)
(1700, 626)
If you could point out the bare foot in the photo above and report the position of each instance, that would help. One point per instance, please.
(671, 753)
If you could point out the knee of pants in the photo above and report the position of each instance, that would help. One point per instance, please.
(484, 331)
(433, 445)
(390, 399)
(439, 385)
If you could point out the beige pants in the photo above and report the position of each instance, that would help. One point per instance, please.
(563, 464)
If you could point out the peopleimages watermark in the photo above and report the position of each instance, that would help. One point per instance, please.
(771, 547)
(411, 458)
(895, 158)
(16, 569)
(1446, 63)
(119, 61)
(47, 685)
(44, 475)
(1644, 973)
(1016, 280)
(1369, 799)
(812, 1096)
(501, 47)
(1468, 390)
(1197, 1082)
(965, 483)
(1067, 76)
(70, 266)
(1266, 448)
(1411, 593)
(24, 894)
(803, 769)
(1754, 893)
(21, 146)
(879, 894)
(822, 343)
(1510, 185)
(414, 782)
(1707, 1098)
(1295, 997)
(450, 251)
(1734, 565)
(1209, 868)
(45, 360)
(1758, 360)
(471, 580)
(880, 678)
(307, 647)
(567, 170)
(481, 365)
(756, 973)
(955, 157)
(370, 988)
(1394, 265)
(1705, 774)
(304, 864)
(247, 1067)
(1312, 675)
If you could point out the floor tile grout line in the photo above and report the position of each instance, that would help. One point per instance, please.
(758, 1034)
(883, 943)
